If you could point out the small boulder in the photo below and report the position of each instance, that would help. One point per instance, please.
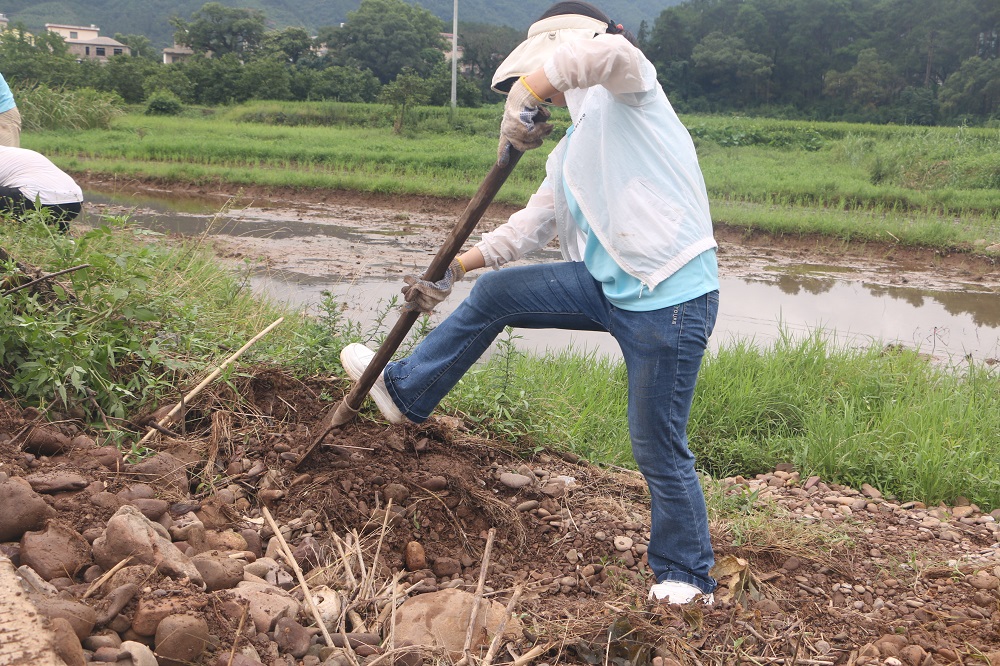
(414, 556)
(163, 471)
(45, 440)
(151, 611)
(79, 615)
(23, 508)
(267, 604)
(180, 639)
(57, 551)
(49, 483)
(66, 643)
(292, 637)
(129, 533)
(219, 571)
(441, 619)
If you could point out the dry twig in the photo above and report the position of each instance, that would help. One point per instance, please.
(286, 551)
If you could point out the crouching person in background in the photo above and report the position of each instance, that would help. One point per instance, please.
(29, 180)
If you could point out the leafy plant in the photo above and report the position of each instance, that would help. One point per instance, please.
(163, 104)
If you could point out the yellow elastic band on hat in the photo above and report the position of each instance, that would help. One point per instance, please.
(524, 81)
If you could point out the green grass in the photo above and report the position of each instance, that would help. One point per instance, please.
(850, 415)
(937, 187)
(151, 316)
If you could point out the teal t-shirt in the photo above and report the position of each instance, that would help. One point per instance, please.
(6, 97)
(695, 278)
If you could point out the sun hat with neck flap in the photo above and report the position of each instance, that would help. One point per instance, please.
(563, 22)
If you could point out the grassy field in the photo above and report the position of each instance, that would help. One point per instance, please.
(149, 315)
(922, 186)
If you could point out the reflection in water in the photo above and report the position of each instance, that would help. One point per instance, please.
(982, 307)
(794, 284)
(852, 313)
(795, 300)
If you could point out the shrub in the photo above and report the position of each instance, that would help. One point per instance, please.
(44, 108)
(163, 104)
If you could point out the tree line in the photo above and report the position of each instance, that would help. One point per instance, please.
(901, 61)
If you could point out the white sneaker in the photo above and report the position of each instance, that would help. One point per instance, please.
(355, 358)
(676, 592)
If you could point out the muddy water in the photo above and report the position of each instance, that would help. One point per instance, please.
(299, 251)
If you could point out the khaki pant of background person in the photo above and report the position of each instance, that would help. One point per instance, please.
(10, 128)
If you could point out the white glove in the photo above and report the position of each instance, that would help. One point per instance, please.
(523, 125)
(424, 295)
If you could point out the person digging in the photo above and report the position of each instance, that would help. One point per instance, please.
(625, 195)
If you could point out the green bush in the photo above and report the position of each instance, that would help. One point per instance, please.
(45, 108)
(163, 104)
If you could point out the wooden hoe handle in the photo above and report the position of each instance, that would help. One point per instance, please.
(349, 406)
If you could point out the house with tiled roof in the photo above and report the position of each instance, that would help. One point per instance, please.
(86, 42)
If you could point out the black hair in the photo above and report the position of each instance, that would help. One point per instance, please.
(587, 9)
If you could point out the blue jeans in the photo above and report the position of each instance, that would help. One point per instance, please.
(662, 351)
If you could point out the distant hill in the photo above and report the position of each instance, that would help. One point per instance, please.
(150, 17)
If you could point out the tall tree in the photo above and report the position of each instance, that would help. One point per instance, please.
(220, 30)
(290, 44)
(386, 36)
(484, 47)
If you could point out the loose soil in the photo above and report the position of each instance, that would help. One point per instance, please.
(810, 572)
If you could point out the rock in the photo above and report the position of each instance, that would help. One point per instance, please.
(141, 654)
(109, 457)
(267, 604)
(218, 571)
(440, 620)
(557, 489)
(80, 616)
(150, 507)
(515, 481)
(224, 540)
(870, 491)
(97, 641)
(414, 556)
(791, 564)
(623, 543)
(46, 441)
(238, 660)
(129, 533)
(164, 471)
(980, 581)
(152, 610)
(913, 655)
(23, 508)
(116, 601)
(57, 551)
(767, 607)
(329, 603)
(292, 637)
(56, 482)
(395, 492)
(66, 643)
(446, 566)
(106, 500)
(180, 639)
(433, 483)
(189, 528)
(34, 583)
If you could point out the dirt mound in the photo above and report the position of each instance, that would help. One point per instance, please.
(810, 572)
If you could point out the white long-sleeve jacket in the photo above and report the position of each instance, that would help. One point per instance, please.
(37, 177)
(631, 166)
